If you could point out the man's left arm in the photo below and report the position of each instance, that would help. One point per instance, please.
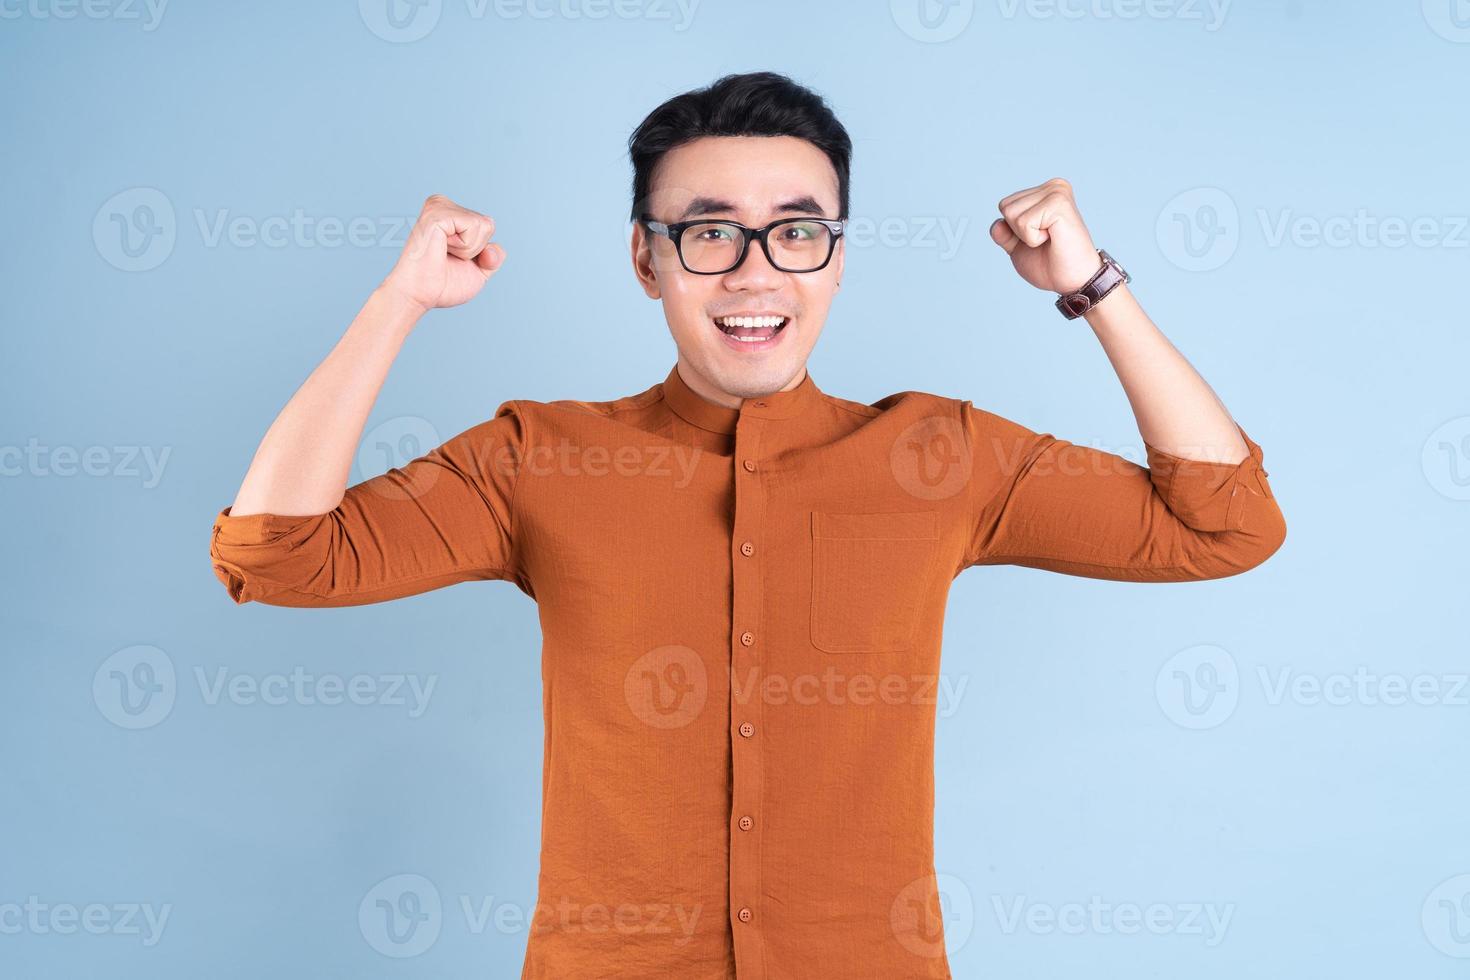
(1202, 508)
(1177, 411)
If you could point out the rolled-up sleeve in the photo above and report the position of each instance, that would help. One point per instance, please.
(442, 518)
(1047, 503)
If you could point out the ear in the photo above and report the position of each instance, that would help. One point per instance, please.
(840, 258)
(642, 255)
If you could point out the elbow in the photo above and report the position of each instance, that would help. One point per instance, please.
(1259, 537)
(268, 558)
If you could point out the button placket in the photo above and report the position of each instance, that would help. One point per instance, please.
(747, 742)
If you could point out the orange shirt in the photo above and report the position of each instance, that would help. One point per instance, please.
(741, 614)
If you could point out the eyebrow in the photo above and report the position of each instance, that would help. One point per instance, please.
(805, 204)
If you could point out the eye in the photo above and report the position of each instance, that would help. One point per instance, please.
(799, 232)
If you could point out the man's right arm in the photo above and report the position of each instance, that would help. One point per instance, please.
(302, 465)
(296, 534)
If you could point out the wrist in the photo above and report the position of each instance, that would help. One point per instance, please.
(1107, 309)
(1108, 278)
(395, 309)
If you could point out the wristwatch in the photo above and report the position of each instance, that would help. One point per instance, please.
(1092, 292)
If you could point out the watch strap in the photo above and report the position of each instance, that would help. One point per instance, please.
(1092, 292)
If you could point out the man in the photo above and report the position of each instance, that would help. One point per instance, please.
(741, 578)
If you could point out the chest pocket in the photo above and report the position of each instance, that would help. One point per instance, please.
(869, 575)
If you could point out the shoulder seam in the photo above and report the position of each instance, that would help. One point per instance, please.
(515, 489)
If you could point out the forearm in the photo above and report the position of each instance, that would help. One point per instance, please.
(303, 463)
(1176, 410)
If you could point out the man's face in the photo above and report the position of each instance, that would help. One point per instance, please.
(753, 180)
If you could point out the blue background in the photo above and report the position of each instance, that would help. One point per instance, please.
(1076, 763)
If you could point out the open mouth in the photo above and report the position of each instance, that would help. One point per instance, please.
(752, 330)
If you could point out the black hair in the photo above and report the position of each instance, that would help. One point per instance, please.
(759, 103)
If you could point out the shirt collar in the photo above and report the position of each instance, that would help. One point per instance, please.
(695, 409)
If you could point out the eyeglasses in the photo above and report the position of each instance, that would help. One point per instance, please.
(709, 248)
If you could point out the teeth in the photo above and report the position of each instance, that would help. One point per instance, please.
(751, 322)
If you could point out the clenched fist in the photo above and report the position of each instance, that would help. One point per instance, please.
(448, 256)
(1042, 231)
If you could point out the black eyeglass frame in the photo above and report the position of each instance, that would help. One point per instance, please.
(675, 233)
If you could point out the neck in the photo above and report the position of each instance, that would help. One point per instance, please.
(707, 390)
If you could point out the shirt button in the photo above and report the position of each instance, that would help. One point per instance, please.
(747, 729)
(747, 549)
(746, 823)
(749, 465)
(745, 915)
(747, 638)
(760, 404)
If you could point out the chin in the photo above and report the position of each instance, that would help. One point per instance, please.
(748, 377)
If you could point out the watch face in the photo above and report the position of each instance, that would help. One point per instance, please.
(1114, 262)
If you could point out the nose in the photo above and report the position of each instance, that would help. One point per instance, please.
(754, 272)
